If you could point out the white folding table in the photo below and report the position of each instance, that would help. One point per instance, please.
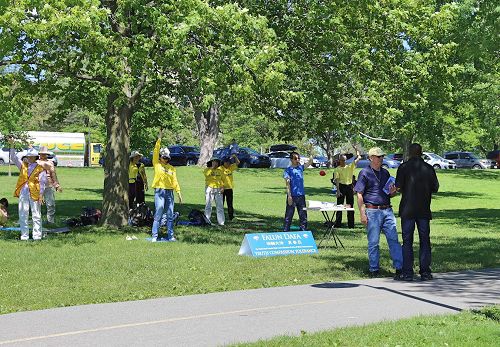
(328, 210)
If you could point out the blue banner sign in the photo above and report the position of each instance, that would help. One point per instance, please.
(278, 243)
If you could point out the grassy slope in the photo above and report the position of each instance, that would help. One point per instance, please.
(465, 329)
(99, 265)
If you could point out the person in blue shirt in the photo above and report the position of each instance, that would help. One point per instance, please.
(376, 212)
(295, 194)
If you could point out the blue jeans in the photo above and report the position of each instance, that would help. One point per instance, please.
(424, 230)
(382, 221)
(299, 202)
(164, 201)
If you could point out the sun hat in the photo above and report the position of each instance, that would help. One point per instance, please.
(43, 150)
(31, 153)
(376, 151)
(165, 152)
(135, 154)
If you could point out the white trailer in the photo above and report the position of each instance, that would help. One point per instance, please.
(70, 148)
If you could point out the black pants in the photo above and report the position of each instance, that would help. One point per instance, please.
(348, 195)
(132, 193)
(228, 194)
(424, 256)
(299, 203)
(139, 191)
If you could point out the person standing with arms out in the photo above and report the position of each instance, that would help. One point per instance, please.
(295, 193)
(417, 181)
(137, 180)
(29, 189)
(52, 183)
(214, 188)
(376, 212)
(342, 177)
(227, 179)
(164, 184)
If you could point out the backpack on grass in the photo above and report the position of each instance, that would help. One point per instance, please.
(141, 216)
(196, 217)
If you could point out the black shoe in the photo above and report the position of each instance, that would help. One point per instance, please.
(403, 277)
(374, 274)
(426, 276)
(398, 275)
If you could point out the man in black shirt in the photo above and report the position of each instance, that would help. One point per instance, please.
(416, 180)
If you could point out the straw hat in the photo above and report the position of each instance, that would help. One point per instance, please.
(43, 150)
(135, 154)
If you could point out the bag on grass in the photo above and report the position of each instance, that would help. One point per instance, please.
(141, 215)
(196, 217)
(90, 215)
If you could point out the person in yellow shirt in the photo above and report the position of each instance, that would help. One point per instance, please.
(227, 179)
(214, 188)
(137, 180)
(342, 177)
(164, 184)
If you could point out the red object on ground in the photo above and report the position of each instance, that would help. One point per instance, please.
(322, 173)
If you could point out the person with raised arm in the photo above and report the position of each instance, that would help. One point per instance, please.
(164, 183)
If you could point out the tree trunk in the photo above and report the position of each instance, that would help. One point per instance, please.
(208, 132)
(115, 196)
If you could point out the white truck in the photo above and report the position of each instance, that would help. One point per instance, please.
(71, 149)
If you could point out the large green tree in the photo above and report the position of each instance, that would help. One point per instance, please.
(118, 55)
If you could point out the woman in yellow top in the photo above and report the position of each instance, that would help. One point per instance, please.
(164, 184)
(342, 177)
(214, 189)
(137, 180)
(227, 178)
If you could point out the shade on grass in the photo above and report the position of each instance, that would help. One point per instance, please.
(97, 264)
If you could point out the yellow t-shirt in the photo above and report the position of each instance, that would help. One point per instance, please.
(213, 177)
(165, 175)
(227, 175)
(133, 170)
(344, 174)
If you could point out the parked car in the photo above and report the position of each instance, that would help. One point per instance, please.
(365, 162)
(279, 159)
(494, 155)
(320, 161)
(247, 157)
(469, 160)
(395, 156)
(147, 161)
(438, 162)
(184, 155)
(282, 147)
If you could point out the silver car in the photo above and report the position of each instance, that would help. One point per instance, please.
(469, 160)
(438, 162)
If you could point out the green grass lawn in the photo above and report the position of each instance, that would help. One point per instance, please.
(469, 328)
(96, 264)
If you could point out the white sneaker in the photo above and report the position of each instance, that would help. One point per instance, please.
(134, 237)
(153, 239)
(128, 238)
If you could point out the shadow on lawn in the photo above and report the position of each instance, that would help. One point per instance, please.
(474, 174)
(457, 195)
(471, 218)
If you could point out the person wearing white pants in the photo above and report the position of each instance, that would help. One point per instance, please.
(214, 194)
(52, 183)
(29, 189)
(214, 189)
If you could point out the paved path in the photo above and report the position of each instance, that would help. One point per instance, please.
(224, 318)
